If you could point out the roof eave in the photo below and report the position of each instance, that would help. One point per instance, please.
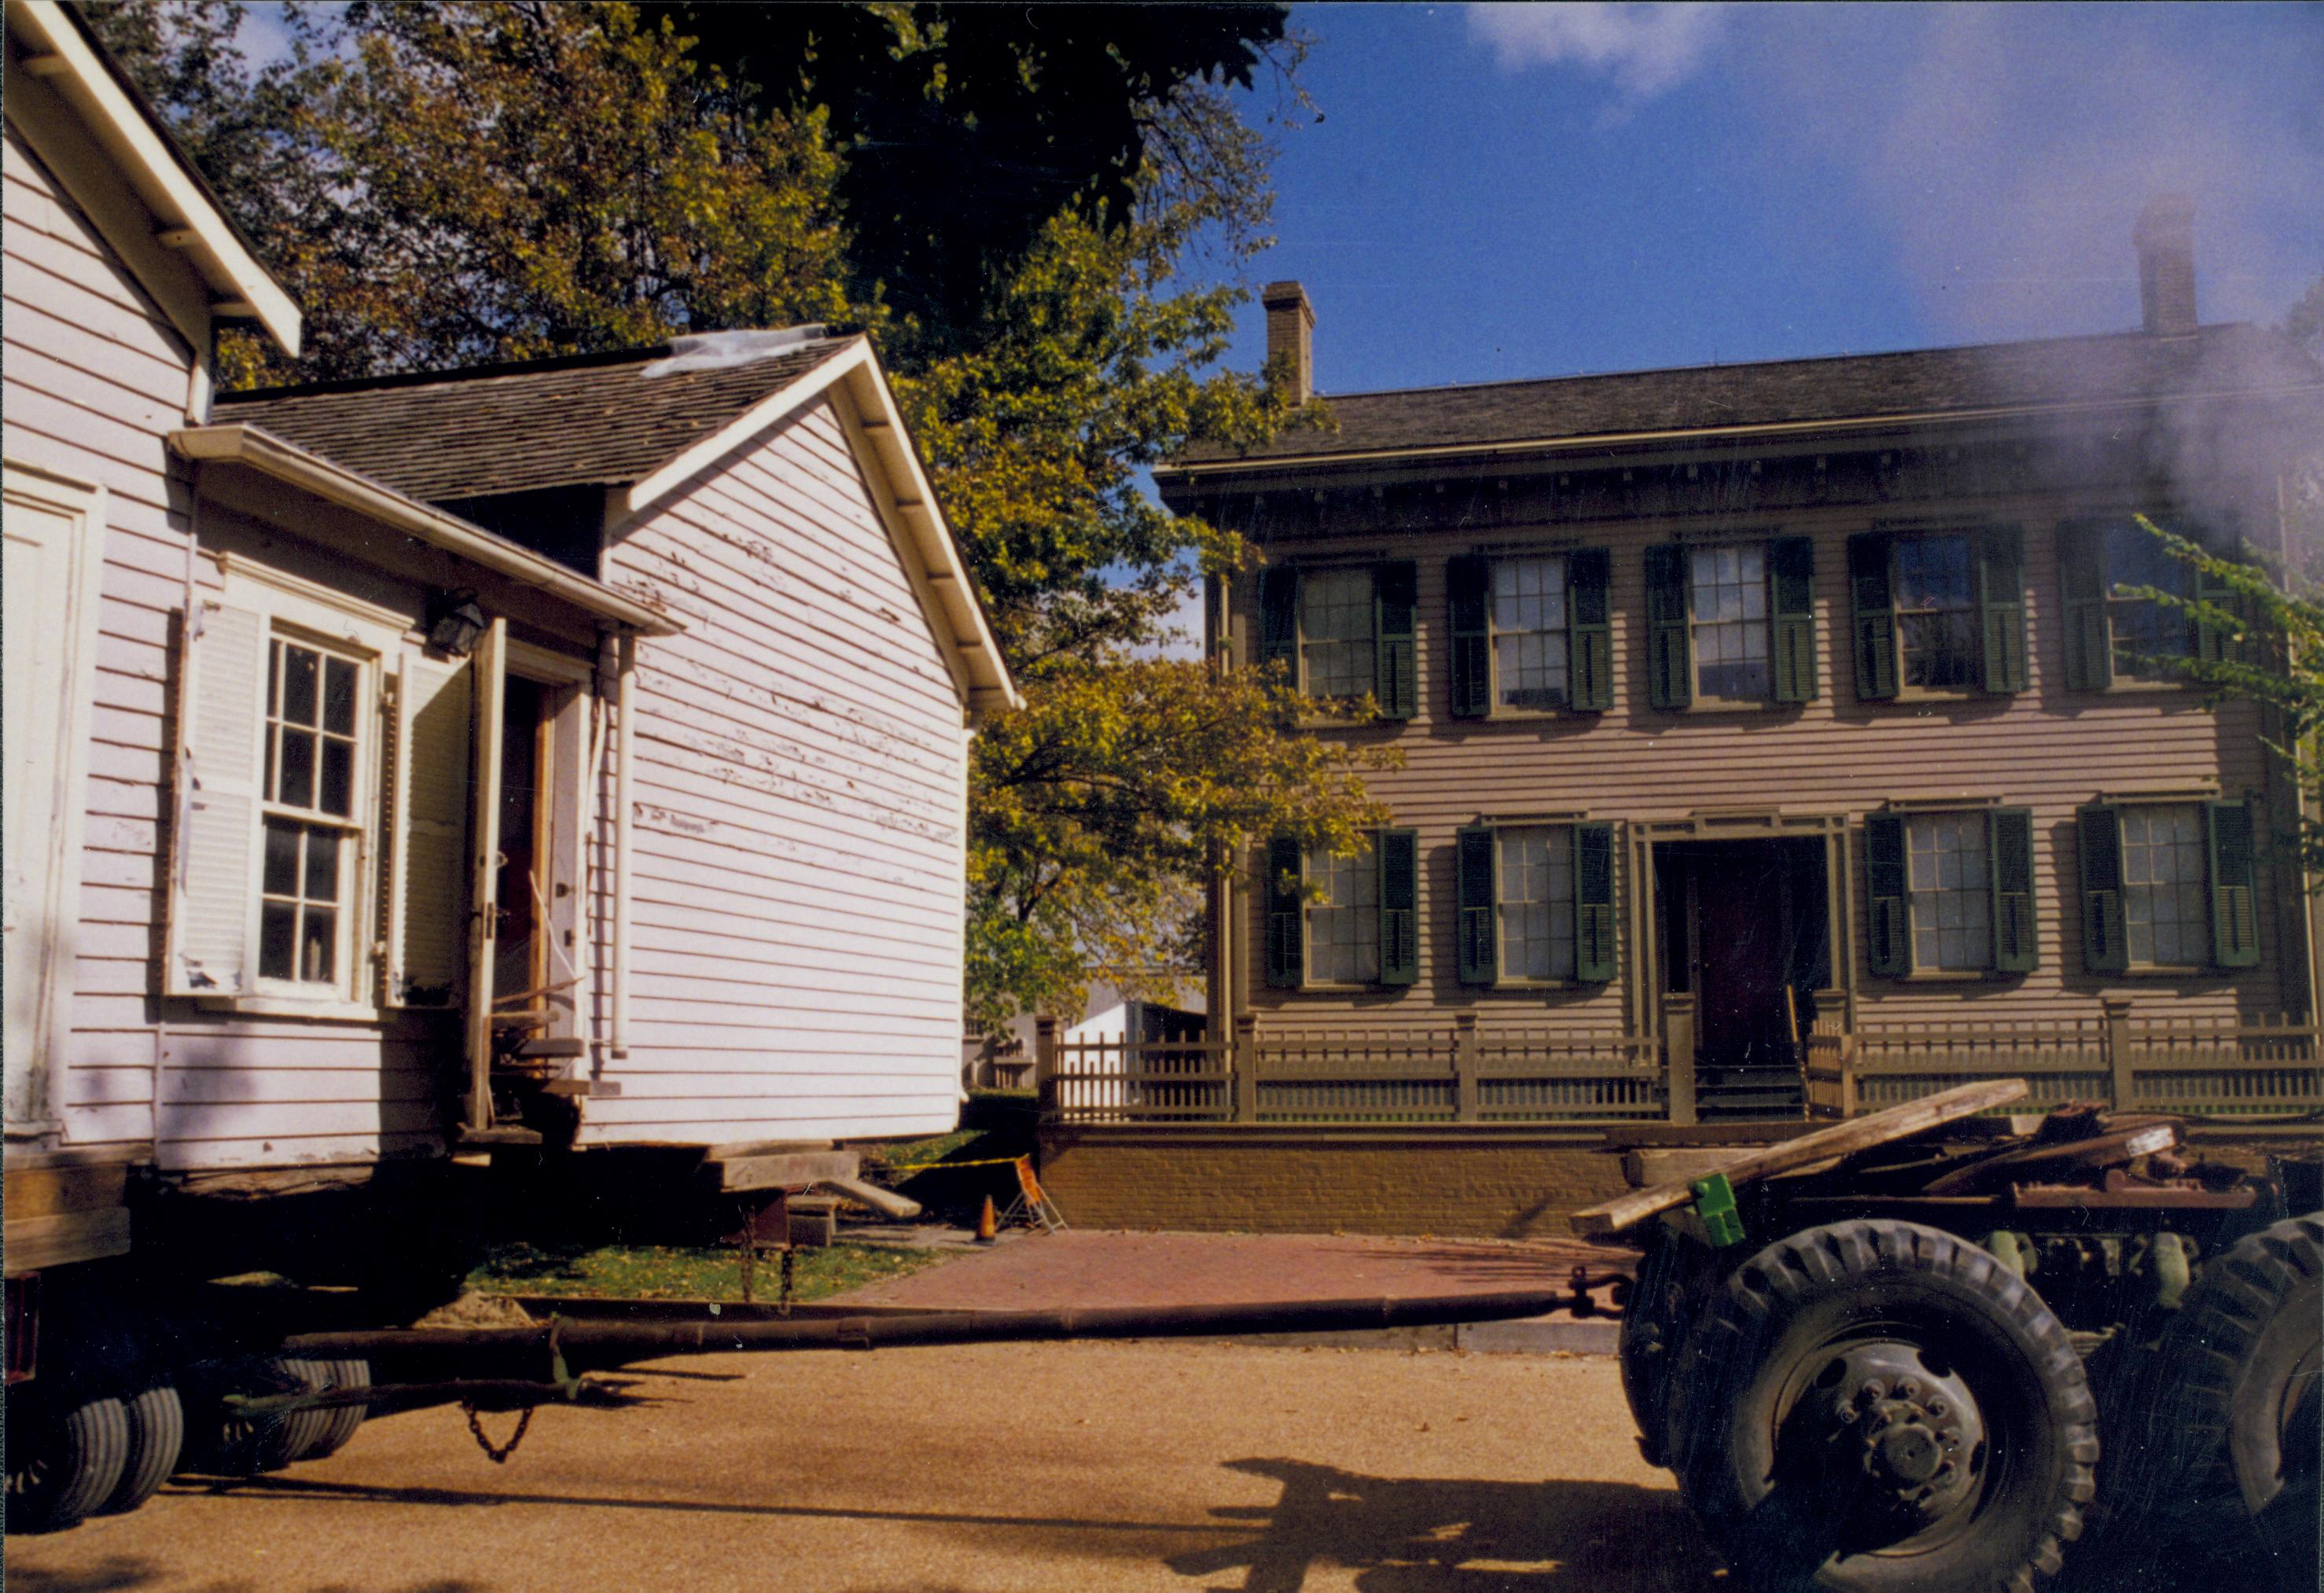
(909, 499)
(1194, 470)
(256, 449)
(189, 221)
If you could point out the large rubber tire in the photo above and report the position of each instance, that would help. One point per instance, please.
(226, 1444)
(1669, 1291)
(338, 1423)
(2241, 1410)
(1898, 1412)
(64, 1459)
(156, 1437)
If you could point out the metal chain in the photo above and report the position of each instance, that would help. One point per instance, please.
(499, 1452)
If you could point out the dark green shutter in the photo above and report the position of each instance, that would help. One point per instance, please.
(1286, 961)
(1279, 620)
(2001, 598)
(2009, 844)
(2082, 598)
(1398, 852)
(1589, 630)
(1593, 902)
(1888, 930)
(1670, 671)
(2106, 938)
(1394, 599)
(1873, 612)
(1474, 866)
(2234, 906)
(1469, 589)
(1791, 611)
(2218, 644)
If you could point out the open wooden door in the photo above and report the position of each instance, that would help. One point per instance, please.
(488, 666)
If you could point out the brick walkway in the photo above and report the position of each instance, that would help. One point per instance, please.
(1078, 1267)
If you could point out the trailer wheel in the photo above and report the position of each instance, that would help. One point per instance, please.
(338, 1422)
(1899, 1411)
(156, 1435)
(2241, 1413)
(228, 1444)
(64, 1459)
(1665, 1298)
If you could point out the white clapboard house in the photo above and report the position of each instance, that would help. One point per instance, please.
(574, 751)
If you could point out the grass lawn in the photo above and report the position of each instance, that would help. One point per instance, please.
(679, 1272)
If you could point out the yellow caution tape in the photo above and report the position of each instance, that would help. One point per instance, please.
(918, 1166)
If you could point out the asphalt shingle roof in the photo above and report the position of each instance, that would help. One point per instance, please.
(508, 428)
(2233, 358)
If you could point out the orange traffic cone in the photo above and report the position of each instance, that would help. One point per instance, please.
(986, 1226)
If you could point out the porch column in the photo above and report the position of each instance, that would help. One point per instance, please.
(1044, 1066)
(1465, 1067)
(1828, 1038)
(2116, 1039)
(1678, 1051)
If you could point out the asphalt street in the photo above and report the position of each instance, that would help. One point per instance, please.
(1001, 1467)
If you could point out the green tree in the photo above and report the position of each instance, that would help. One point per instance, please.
(444, 184)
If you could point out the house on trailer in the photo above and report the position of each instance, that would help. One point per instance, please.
(1769, 731)
(572, 754)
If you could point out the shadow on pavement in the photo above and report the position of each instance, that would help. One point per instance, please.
(124, 1573)
(1435, 1535)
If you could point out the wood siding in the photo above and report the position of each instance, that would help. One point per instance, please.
(96, 377)
(2045, 748)
(796, 925)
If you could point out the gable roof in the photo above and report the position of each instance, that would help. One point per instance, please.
(56, 48)
(592, 419)
(640, 423)
(2056, 372)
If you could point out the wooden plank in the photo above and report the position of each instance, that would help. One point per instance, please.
(35, 1242)
(887, 1202)
(1841, 1140)
(790, 1170)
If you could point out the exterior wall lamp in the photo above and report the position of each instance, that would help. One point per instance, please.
(454, 622)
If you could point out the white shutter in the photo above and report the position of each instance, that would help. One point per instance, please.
(427, 880)
(213, 885)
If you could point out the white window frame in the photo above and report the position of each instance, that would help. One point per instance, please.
(1980, 890)
(1558, 838)
(1764, 623)
(307, 612)
(1363, 863)
(1368, 579)
(1899, 615)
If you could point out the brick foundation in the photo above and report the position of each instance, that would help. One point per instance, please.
(1479, 1182)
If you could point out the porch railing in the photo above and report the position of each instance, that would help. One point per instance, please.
(1455, 1072)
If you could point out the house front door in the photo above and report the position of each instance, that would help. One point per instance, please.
(1746, 934)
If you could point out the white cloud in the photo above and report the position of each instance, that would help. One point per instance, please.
(1644, 49)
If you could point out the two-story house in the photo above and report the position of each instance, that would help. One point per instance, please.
(1771, 727)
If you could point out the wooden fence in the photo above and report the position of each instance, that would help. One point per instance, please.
(1457, 1073)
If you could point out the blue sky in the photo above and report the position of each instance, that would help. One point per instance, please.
(1510, 191)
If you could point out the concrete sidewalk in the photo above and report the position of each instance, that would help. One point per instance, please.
(1098, 1268)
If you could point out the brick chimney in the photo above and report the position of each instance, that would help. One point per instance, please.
(2165, 236)
(1290, 337)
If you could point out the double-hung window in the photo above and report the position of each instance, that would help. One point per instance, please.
(2168, 885)
(1950, 891)
(1730, 623)
(312, 832)
(1938, 610)
(2113, 634)
(1344, 918)
(1536, 904)
(1344, 633)
(1530, 631)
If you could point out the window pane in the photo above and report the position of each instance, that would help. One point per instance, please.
(1336, 629)
(281, 868)
(1536, 867)
(299, 670)
(1950, 900)
(339, 697)
(1727, 595)
(338, 777)
(2164, 884)
(277, 932)
(1529, 642)
(322, 865)
(298, 787)
(318, 946)
(1343, 928)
